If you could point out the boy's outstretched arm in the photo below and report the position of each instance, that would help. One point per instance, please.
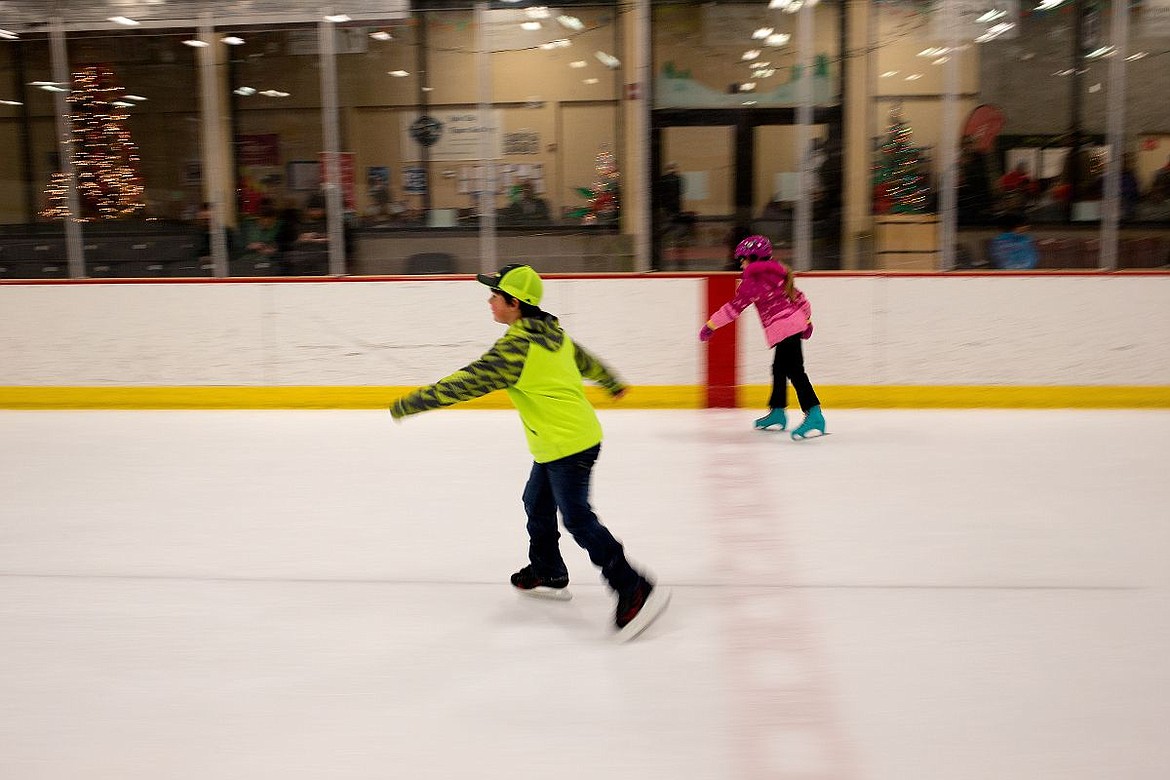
(592, 368)
(498, 369)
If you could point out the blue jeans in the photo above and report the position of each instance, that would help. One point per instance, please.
(564, 484)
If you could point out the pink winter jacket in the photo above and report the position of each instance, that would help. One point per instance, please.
(763, 285)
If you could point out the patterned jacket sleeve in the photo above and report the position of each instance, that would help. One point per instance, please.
(745, 296)
(592, 368)
(499, 368)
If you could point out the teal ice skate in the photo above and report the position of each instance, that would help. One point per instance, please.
(813, 421)
(773, 417)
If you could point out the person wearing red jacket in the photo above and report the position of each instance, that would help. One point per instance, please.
(786, 316)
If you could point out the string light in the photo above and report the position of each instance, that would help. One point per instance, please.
(105, 159)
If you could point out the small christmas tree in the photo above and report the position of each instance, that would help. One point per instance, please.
(899, 186)
(603, 196)
(105, 160)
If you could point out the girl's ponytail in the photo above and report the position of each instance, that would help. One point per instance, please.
(789, 283)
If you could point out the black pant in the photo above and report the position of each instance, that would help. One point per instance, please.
(564, 484)
(788, 366)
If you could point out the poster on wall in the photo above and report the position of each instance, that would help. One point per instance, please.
(473, 178)
(414, 181)
(452, 135)
(258, 149)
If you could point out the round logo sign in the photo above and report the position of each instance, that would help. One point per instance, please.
(426, 130)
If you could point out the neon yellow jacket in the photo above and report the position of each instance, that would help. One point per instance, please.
(542, 369)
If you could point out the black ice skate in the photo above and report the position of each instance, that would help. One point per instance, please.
(638, 608)
(528, 582)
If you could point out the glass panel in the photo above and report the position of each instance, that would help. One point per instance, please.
(379, 93)
(728, 55)
(704, 158)
(776, 191)
(136, 151)
(1045, 167)
(275, 94)
(1147, 243)
(556, 82)
(911, 66)
(32, 246)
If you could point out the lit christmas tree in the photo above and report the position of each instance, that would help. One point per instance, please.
(603, 196)
(105, 160)
(899, 186)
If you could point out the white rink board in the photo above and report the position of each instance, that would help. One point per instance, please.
(1011, 330)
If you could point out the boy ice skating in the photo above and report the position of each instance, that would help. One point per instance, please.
(541, 369)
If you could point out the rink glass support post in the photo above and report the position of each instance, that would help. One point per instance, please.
(720, 351)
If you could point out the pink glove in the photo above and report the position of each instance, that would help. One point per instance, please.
(706, 333)
(807, 332)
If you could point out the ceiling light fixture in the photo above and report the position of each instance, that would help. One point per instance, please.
(578, 64)
(338, 18)
(571, 22)
(125, 21)
(608, 60)
(777, 39)
(762, 33)
(233, 40)
(381, 35)
(8, 35)
(196, 43)
(398, 74)
(245, 91)
(530, 25)
(537, 12)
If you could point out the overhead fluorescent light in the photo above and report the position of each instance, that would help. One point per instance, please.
(273, 93)
(571, 22)
(530, 26)
(993, 15)
(559, 43)
(537, 12)
(53, 88)
(338, 18)
(8, 35)
(762, 33)
(591, 81)
(578, 64)
(245, 91)
(121, 103)
(747, 86)
(608, 60)
(889, 73)
(750, 54)
(398, 74)
(125, 21)
(381, 35)
(914, 77)
(233, 40)
(196, 43)
(1137, 55)
(11, 103)
(777, 39)
(139, 98)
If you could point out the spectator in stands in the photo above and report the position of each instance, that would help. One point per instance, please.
(259, 237)
(1014, 249)
(1155, 207)
(974, 195)
(1018, 188)
(528, 208)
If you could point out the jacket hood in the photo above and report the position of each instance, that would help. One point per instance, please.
(765, 271)
(543, 331)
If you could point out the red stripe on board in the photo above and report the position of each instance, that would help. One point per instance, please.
(720, 352)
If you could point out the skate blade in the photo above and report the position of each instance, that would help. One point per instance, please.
(549, 594)
(651, 610)
(811, 437)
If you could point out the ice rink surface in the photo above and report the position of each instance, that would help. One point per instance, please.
(922, 595)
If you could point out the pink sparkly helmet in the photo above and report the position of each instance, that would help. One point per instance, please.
(754, 248)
